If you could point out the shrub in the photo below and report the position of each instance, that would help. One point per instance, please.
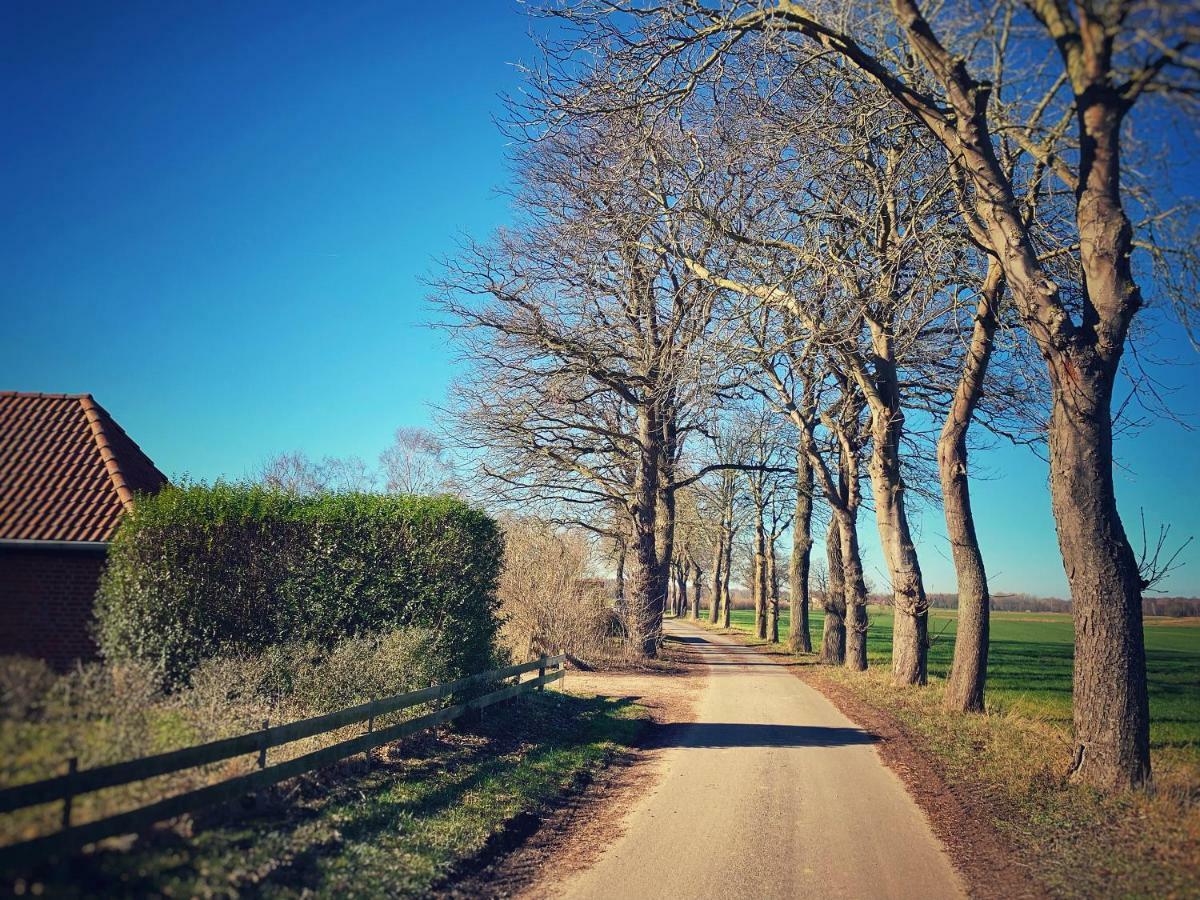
(233, 694)
(548, 602)
(24, 683)
(200, 571)
(113, 702)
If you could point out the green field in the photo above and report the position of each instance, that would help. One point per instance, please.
(1029, 667)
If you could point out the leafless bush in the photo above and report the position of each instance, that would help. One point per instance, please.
(24, 683)
(547, 599)
(116, 701)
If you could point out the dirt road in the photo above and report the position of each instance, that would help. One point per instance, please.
(770, 792)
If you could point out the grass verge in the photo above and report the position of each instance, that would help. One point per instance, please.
(428, 810)
(1010, 763)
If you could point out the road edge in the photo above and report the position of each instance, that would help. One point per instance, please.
(961, 818)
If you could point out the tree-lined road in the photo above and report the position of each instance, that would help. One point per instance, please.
(770, 792)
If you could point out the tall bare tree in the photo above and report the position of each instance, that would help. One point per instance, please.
(1112, 55)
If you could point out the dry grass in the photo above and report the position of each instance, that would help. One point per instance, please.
(104, 714)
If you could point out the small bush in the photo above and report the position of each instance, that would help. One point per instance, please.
(233, 694)
(366, 668)
(114, 702)
(548, 603)
(24, 683)
(197, 571)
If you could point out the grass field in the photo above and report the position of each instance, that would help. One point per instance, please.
(1029, 668)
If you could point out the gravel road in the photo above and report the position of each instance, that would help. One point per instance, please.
(770, 792)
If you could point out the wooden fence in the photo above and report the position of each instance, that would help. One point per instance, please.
(64, 788)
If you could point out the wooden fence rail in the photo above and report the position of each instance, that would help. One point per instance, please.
(66, 787)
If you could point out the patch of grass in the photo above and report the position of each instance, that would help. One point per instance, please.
(1029, 667)
(1080, 842)
(415, 819)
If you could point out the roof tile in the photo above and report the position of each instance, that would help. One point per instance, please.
(67, 470)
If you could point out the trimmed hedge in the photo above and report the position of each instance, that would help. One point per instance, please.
(197, 571)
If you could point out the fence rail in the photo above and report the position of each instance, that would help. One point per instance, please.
(66, 787)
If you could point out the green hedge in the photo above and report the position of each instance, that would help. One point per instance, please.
(201, 570)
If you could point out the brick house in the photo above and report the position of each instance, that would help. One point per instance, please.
(67, 473)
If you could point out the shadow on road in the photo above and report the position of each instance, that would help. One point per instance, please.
(731, 734)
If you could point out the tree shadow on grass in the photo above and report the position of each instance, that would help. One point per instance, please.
(288, 840)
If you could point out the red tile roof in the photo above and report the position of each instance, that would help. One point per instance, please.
(67, 470)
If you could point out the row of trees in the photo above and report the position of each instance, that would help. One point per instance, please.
(795, 259)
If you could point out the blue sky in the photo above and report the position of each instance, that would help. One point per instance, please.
(218, 216)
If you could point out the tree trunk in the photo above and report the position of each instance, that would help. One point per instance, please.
(646, 595)
(910, 624)
(773, 593)
(855, 592)
(1111, 710)
(681, 590)
(697, 578)
(1111, 707)
(968, 672)
(760, 575)
(833, 637)
(799, 638)
(714, 601)
(621, 550)
(726, 599)
(647, 587)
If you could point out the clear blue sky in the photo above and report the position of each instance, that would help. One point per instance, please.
(217, 216)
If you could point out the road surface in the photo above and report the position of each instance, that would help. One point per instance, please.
(770, 792)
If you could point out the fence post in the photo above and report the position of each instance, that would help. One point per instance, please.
(370, 728)
(262, 751)
(72, 768)
(542, 672)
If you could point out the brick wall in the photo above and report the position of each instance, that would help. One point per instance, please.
(46, 599)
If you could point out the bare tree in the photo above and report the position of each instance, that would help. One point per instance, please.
(586, 350)
(1111, 56)
(293, 472)
(416, 462)
(296, 473)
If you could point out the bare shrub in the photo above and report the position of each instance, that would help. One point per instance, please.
(24, 683)
(366, 668)
(548, 602)
(115, 702)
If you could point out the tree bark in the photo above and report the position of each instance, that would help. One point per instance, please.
(760, 573)
(833, 637)
(714, 600)
(1111, 709)
(697, 579)
(799, 638)
(621, 550)
(726, 600)
(1111, 706)
(773, 593)
(968, 672)
(855, 593)
(910, 623)
(648, 586)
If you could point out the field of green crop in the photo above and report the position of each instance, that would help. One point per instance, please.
(1029, 666)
